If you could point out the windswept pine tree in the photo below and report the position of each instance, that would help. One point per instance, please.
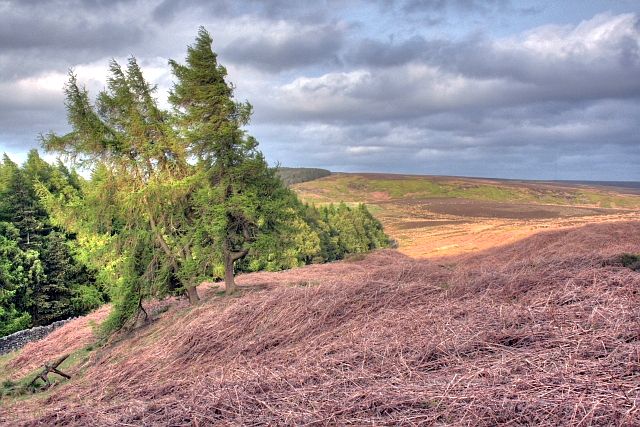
(245, 200)
(177, 197)
(140, 207)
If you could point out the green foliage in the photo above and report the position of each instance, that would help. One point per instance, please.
(134, 221)
(345, 230)
(19, 204)
(126, 300)
(315, 235)
(243, 204)
(206, 112)
(16, 267)
(178, 196)
(631, 261)
(69, 287)
(40, 277)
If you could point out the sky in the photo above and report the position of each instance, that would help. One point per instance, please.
(491, 88)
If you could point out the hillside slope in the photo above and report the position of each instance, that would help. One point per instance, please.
(544, 331)
(372, 187)
(435, 216)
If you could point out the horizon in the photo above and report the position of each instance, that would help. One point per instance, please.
(574, 181)
(492, 89)
(51, 159)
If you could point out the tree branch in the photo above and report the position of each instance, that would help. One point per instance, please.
(163, 243)
(238, 254)
(246, 233)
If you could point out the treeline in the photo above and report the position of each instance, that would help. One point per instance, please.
(317, 235)
(174, 197)
(41, 278)
(292, 176)
(47, 274)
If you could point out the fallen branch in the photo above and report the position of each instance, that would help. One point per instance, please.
(50, 368)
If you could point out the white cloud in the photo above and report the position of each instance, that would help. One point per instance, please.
(597, 37)
(363, 149)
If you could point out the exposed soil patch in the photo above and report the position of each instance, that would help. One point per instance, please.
(425, 223)
(483, 209)
(379, 196)
(443, 226)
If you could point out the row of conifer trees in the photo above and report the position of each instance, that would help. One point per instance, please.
(41, 277)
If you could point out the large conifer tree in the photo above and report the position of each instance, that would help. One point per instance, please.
(141, 201)
(245, 197)
(176, 195)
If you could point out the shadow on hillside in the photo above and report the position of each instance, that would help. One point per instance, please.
(581, 239)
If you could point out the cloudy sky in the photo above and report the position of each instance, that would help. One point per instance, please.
(495, 88)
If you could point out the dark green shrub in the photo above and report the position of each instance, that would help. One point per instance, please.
(631, 261)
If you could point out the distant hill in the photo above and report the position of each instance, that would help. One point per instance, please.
(292, 176)
(436, 215)
(632, 187)
(376, 187)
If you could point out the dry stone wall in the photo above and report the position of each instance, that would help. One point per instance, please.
(19, 339)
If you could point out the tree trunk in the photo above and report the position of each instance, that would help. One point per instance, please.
(192, 293)
(229, 280)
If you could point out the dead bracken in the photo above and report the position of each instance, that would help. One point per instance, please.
(545, 331)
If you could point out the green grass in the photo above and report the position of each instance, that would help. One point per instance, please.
(608, 200)
(361, 188)
(631, 261)
(422, 188)
(374, 209)
(20, 389)
(4, 361)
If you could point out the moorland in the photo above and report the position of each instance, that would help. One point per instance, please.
(433, 216)
(530, 320)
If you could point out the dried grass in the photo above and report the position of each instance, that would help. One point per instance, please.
(545, 331)
(72, 336)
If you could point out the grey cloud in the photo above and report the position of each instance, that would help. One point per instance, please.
(87, 5)
(68, 24)
(57, 34)
(579, 71)
(22, 119)
(600, 59)
(384, 54)
(504, 145)
(167, 10)
(301, 47)
(437, 9)
(298, 11)
(46, 38)
(18, 32)
(465, 5)
(553, 102)
(432, 13)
